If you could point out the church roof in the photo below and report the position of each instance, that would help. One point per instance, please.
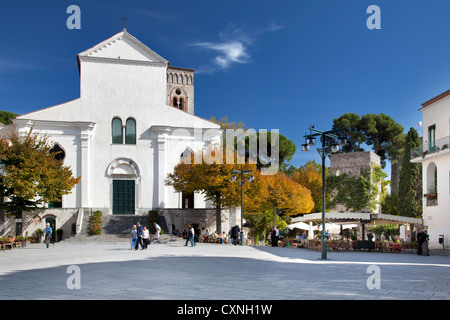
(123, 46)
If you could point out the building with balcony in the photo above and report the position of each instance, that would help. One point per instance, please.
(434, 154)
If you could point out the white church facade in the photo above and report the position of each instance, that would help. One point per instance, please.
(123, 135)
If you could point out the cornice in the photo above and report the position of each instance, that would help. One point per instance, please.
(122, 61)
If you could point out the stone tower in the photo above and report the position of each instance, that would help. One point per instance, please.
(353, 164)
(180, 88)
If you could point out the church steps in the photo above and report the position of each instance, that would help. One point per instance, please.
(117, 228)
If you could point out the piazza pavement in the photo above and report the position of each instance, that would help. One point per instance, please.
(171, 271)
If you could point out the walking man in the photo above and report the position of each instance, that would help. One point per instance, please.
(139, 230)
(158, 231)
(48, 234)
(192, 233)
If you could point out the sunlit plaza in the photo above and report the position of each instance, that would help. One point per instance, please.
(220, 272)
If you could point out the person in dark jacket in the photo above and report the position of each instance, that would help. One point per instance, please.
(235, 234)
(139, 230)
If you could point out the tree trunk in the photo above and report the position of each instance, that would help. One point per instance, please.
(274, 216)
(218, 214)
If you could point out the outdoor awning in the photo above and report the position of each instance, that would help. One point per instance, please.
(298, 225)
(351, 216)
(357, 217)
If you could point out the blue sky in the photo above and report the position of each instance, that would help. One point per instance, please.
(284, 64)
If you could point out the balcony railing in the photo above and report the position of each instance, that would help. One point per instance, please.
(431, 199)
(431, 148)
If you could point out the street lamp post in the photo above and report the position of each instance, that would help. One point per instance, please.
(241, 183)
(331, 142)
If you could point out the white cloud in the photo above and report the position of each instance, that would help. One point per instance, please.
(228, 52)
(233, 47)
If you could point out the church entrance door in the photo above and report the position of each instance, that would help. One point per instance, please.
(123, 196)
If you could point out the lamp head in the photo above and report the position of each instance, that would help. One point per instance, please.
(311, 141)
(335, 148)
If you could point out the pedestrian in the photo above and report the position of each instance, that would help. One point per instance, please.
(277, 236)
(419, 242)
(139, 230)
(272, 237)
(425, 238)
(48, 234)
(133, 237)
(192, 232)
(188, 235)
(235, 233)
(158, 231)
(145, 238)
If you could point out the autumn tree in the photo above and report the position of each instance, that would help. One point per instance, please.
(31, 174)
(278, 193)
(211, 178)
(310, 176)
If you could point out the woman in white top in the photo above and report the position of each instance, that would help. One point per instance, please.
(145, 237)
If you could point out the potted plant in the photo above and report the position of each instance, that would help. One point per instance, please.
(39, 233)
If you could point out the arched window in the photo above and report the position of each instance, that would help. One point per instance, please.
(116, 129)
(130, 131)
(431, 192)
(181, 106)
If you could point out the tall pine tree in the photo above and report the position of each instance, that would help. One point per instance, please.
(410, 185)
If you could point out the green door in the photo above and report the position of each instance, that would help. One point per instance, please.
(123, 196)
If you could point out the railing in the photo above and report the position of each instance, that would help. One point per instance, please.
(431, 198)
(430, 148)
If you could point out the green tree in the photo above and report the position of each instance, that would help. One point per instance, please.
(6, 116)
(377, 130)
(384, 135)
(351, 125)
(31, 175)
(410, 184)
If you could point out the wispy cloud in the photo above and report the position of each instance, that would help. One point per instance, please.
(232, 48)
(228, 52)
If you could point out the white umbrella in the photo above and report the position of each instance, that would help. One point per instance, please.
(298, 225)
(310, 232)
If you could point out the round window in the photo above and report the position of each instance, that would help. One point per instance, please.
(178, 91)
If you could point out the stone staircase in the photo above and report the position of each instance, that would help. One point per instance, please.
(117, 228)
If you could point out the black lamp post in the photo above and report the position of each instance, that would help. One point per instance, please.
(331, 142)
(241, 183)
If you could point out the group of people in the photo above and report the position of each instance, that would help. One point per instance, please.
(140, 236)
(192, 236)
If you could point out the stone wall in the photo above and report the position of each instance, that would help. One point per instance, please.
(31, 221)
(353, 164)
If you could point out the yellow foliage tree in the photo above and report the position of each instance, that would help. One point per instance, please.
(310, 176)
(278, 192)
(211, 178)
